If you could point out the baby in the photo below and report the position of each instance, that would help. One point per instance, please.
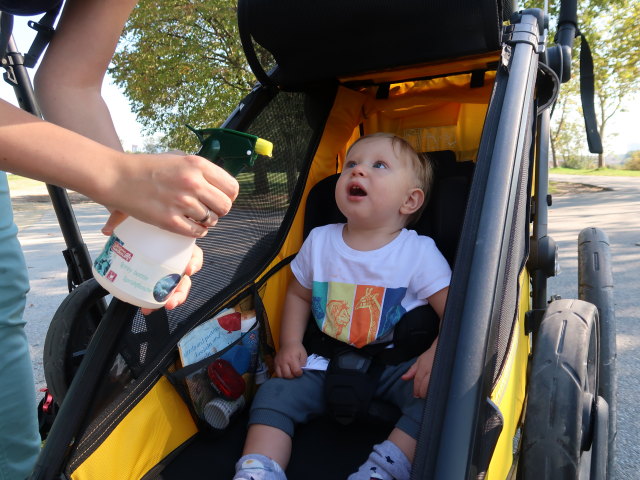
(374, 270)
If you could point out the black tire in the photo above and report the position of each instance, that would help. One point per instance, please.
(562, 391)
(595, 285)
(68, 336)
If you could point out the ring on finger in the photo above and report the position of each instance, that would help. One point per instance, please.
(206, 217)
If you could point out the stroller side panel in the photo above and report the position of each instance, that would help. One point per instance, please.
(153, 429)
(510, 390)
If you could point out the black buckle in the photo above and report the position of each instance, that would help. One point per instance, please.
(351, 381)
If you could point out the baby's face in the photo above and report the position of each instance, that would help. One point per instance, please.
(374, 183)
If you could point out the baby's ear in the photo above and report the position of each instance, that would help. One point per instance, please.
(413, 201)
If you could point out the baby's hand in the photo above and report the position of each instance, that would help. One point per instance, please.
(420, 372)
(289, 360)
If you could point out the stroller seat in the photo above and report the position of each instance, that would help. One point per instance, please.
(347, 446)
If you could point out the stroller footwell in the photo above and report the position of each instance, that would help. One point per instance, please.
(322, 449)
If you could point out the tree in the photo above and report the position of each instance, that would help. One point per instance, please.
(610, 27)
(181, 62)
(632, 160)
(563, 122)
(615, 44)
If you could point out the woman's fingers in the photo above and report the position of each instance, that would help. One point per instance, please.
(224, 182)
(195, 264)
(115, 219)
(180, 293)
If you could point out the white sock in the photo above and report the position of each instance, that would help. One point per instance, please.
(258, 467)
(385, 462)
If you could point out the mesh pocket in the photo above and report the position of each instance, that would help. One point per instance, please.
(224, 360)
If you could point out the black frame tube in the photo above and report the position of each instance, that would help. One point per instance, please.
(466, 383)
(541, 218)
(82, 391)
(567, 23)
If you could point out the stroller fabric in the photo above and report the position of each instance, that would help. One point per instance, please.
(319, 41)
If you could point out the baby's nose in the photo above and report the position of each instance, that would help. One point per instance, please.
(358, 170)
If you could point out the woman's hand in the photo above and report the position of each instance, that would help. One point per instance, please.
(185, 194)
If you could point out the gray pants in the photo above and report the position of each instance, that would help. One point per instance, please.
(283, 403)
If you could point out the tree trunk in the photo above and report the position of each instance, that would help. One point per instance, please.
(261, 180)
(554, 158)
(601, 160)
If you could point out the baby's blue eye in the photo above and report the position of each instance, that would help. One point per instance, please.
(379, 165)
(350, 164)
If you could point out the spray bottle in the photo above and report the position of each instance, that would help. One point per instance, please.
(141, 264)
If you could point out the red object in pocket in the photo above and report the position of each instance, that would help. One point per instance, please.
(225, 379)
(230, 322)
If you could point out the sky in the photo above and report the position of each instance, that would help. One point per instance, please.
(127, 127)
(623, 131)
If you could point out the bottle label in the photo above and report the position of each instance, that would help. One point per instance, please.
(134, 274)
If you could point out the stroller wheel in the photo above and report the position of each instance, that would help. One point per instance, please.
(70, 331)
(595, 285)
(563, 394)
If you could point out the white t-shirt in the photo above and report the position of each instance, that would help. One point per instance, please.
(358, 297)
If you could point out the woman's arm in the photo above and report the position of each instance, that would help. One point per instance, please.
(165, 190)
(68, 82)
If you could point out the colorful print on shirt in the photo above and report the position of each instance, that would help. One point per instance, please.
(356, 314)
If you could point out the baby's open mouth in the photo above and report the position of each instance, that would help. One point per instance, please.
(357, 191)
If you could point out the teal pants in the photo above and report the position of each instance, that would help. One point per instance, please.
(19, 437)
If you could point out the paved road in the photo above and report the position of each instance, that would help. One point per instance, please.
(615, 211)
(43, 244)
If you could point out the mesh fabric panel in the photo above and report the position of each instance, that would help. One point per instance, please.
(240, 242)
(508, 309)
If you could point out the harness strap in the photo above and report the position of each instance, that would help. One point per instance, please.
(353, 374)
(414, 333)
(351, 381)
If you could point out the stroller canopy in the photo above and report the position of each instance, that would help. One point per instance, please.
(318, 41)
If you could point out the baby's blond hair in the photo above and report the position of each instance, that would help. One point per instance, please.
(420, 162)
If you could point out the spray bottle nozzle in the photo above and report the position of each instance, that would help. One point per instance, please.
(230, 149)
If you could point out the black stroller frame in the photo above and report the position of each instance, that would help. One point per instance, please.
(462, 423)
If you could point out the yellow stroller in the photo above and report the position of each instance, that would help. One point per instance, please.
(472, 83)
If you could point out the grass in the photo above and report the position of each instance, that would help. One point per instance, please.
(245, 179)
(16, 182)
(610, 172)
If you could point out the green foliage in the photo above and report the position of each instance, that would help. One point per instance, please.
(606, 172)
(578, 162)
(181, 62)
(610, 26)
(632, 161)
